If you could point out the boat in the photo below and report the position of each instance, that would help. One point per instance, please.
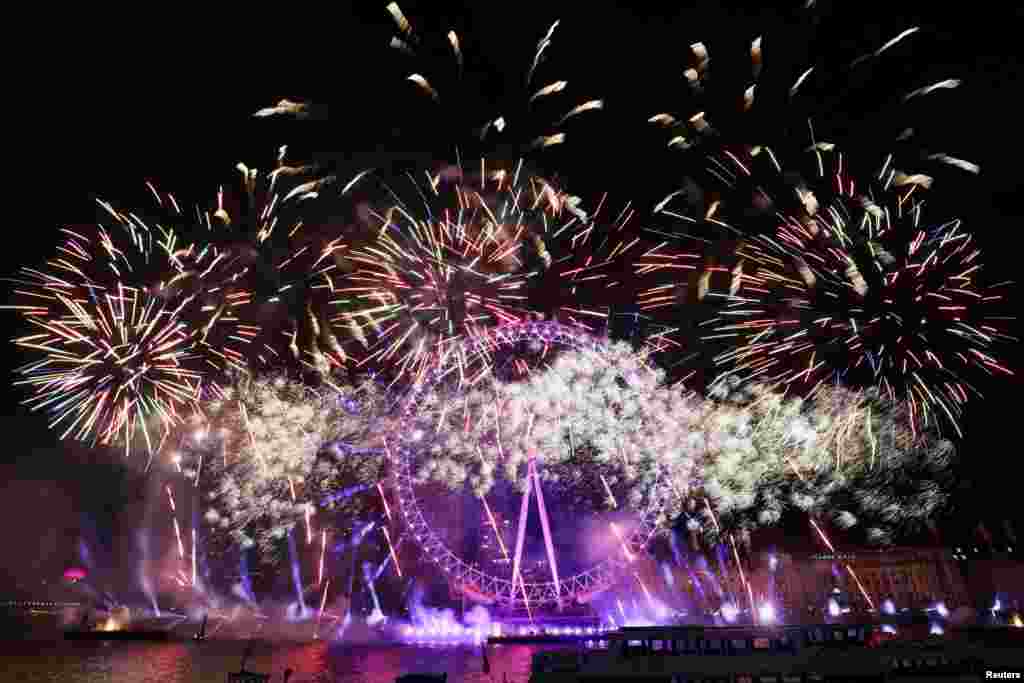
(243, 675)
(201, 633)
(543, 638)
(781, 653)
(994, 636)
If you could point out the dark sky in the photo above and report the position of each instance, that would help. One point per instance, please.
(106, 101)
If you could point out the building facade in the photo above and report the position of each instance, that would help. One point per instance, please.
(866, 577)
(994, 576)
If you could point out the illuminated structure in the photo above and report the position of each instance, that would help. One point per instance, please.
(995, 577)
(912, 577)
(992, 564)
(518, 584)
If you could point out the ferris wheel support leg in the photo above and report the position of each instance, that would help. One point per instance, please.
(546, 526)
(524, 511)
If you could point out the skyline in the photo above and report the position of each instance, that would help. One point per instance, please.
(188, 140)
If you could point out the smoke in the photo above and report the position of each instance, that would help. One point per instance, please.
(145, 581)
(300, 603)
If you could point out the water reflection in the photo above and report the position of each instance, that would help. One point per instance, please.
(81, 662)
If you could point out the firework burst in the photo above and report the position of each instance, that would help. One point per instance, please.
(858, 285)
(272, 454)
(151, 309)
(580, 404)
(848, 456)
(297, 257)
(111, 363)
(838, 277)
(468, 251)
(130, 324)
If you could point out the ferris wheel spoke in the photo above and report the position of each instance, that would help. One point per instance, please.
(524, 511)
(512, 591)
(546, 527)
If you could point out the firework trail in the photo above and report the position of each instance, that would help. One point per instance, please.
(720, 110)
(115, 358)
(136, 319)
(718, 205)
(458, 258)
(292, 449)
(526, 104)
(430, 278)
(858, 285)
(844, 455)
(298, 256)
(839, 277)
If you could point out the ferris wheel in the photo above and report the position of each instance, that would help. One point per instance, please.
(550, 553)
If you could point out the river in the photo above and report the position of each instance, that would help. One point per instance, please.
(187, 662)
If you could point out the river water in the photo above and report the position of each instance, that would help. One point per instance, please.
(209, 662)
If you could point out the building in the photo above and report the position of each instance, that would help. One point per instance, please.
(991, 561)
(992, 577)
(912, 577)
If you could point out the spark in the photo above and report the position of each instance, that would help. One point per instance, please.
(622, 541)
(384, 499)
(320, 612)
(323, 550)
(391, 549)
(608, 490)
(494, 525)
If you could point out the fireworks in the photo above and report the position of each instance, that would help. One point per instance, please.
(280, 450)
(464, 254)
(599, 409)
(690, 130)
(847, 455)
(858, 284)
(298, 263)
(526, 104)
(141, 319)
(716, 113)
(457, 259)
(206, 280)
(473, 257)
(424, 283)
(585, 266)
(482, 290)
(125, 342)
(583, 406)
(111, 367)
(552, 404)
(843, 277)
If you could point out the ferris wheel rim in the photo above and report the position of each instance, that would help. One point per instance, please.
(594, 580)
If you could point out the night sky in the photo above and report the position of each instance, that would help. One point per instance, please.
(105, 102)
